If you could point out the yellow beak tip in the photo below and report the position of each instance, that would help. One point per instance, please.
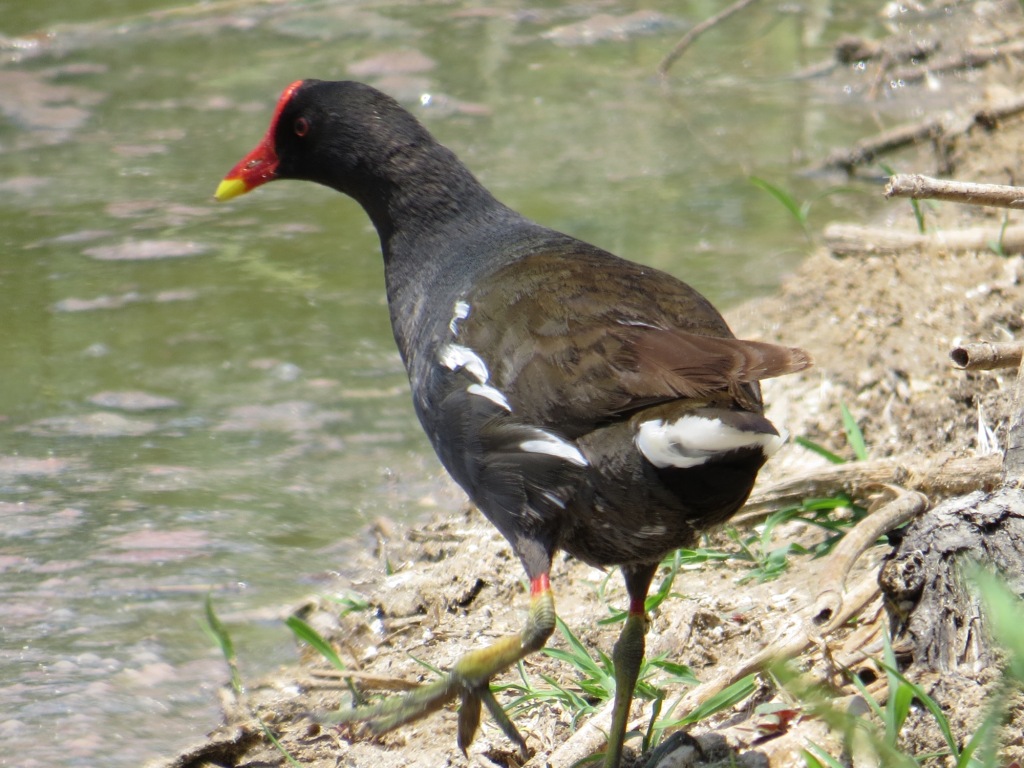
(230, 188)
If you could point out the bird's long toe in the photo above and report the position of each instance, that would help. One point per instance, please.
(399, 710)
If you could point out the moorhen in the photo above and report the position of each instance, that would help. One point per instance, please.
(584, 402)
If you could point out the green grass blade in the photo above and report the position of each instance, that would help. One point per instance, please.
(277, 743)
(983, 740)
(427, 665)
(675, 672)
(308, 635)
(776, 519)
(821, 450)
(311, 637)
(724, 699)
(1003, 612)
(917, 692)
(585, 665)
(914, 691)
(650, 736)
(915, 206)
(853, 434)
(579, 657)
(574, 642)
(664, 590)
(351, 603)
(222, 637)
(782, 196)
(901, 696)
(827, 503)
(220, 634)
(865, 694)
(821, 758)
(218, 631)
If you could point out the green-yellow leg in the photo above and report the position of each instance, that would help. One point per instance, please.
(469, 679)
(628, 655)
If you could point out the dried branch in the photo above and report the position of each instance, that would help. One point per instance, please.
(989, 117)
(855, 240)
(866, 150)
(987, 355)
(933, 129)
(942, 475)
(972, 58)
(905, 507)
(918, 187)
(696, 31)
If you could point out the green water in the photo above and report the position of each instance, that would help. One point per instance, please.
(262, 322)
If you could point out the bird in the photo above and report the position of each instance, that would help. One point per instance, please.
(585, 403)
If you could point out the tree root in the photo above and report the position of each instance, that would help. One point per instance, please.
(940, 476)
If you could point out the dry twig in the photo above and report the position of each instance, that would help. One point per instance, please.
(918, 187)
(856, 240)
(866, 150)
(972, 58)
(987, 355)
(696, 31)
(942, 128)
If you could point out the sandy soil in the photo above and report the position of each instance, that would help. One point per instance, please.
(880, 327)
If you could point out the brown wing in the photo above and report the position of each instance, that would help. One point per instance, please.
(694, 366)
(566, 349)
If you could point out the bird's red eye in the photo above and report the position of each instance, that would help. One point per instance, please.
(301, 126)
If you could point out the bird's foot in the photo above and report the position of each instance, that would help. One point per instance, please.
(469, 719)
(468, 680)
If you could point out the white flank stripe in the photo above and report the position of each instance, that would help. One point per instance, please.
(547, 443)
(492, 394)
(637, 324)
(461, 312)
(691, 440)
(553, 499)
(454, 357)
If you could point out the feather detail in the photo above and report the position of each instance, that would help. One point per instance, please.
(692, 366)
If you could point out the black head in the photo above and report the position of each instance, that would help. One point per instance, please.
(343, 134)
(361, 142)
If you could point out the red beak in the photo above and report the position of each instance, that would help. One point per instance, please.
(260, 165)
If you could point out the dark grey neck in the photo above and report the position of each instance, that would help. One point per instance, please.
(418, 190)
(439, 229)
